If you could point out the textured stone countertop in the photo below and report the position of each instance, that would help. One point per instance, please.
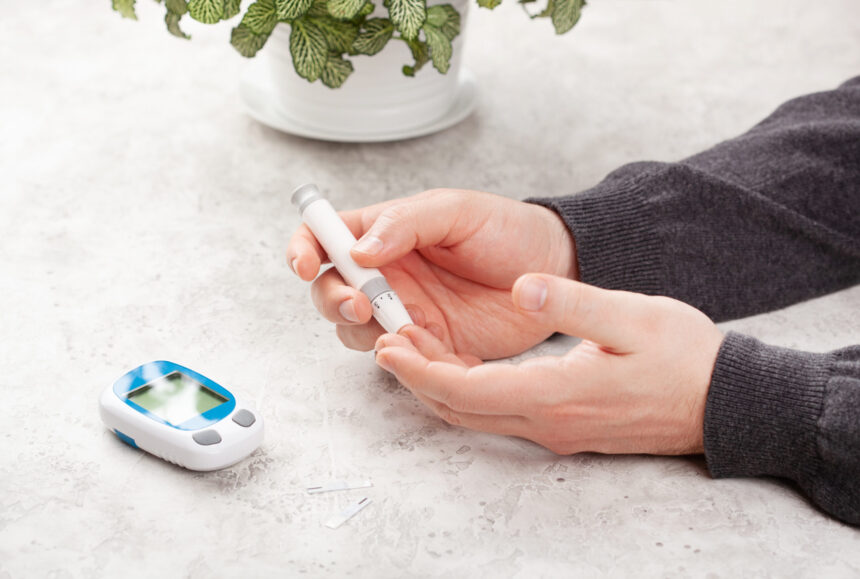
(144, 216)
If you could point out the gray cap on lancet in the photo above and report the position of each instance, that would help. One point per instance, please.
(304, 195)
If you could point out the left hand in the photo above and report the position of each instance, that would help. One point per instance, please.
(636, 384)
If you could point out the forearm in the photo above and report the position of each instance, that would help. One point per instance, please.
(756, 223)
(780, 412)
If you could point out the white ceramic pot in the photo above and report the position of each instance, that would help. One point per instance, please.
(377, 97)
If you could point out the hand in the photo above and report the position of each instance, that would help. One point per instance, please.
(452, 256)
(636, 384)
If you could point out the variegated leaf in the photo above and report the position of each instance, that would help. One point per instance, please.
(246, 41)
(408, 16)
(335, 71)
(566, 14)
(377, 32)
(260, 17)
(206, 11)
(308, 48)
(291, 9)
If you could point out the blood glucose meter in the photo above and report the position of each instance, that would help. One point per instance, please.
(180, 416)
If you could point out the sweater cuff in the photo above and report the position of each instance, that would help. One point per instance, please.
(614, 230)
(762, 410)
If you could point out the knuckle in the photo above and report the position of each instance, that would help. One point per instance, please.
(573, 308)
(449, 415)
(352, 338)
(453, 401)
(394, 214)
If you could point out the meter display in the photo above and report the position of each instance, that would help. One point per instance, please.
(181, 416)
(176, 398)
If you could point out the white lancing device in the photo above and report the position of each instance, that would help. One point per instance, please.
(337, 240)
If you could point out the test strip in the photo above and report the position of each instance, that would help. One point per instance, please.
(349, 512)
(339, 485)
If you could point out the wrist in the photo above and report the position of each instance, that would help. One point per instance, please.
(564, 245)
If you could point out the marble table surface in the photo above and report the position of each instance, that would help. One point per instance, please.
(144, 216)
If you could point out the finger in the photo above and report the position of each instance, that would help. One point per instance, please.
(610, 318)
(363, 337)
(485, 389)
(430, 346)
(305, 254)
(359, 337)
(470, 360)
(338, 302)
(433, 218)
(393, 341)
(514, 425)
(494, 424)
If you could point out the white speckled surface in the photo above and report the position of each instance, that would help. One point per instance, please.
(143, 216)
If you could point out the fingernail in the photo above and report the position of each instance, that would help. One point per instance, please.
(347, 310)
(369, 245)
(294, 265)
(533, 294)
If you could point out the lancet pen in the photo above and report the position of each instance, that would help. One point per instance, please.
(336, 238)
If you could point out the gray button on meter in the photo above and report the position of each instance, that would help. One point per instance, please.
(206, 437)
(244, 418)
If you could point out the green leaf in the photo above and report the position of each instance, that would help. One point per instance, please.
(565, 14)
(339, 34)
(546, 12)
(408, 16)
(291, 9)
(318, 8)
(260, 17)
(419, 53)
(308, 47)
(178, 7)
(365, 11)
(440, 48)
(344, 9)
(231, 9)
(246, 41)
(206, 11)
(125, 8)
(492, 3)
(377, 32)
(335, 71)
(172, 21)
(445, 18)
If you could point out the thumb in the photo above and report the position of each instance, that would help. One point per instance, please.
(414, 223)
(607, 317)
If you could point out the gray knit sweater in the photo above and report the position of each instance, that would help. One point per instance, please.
(756, 223)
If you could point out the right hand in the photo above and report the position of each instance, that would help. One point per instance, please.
(452, 256)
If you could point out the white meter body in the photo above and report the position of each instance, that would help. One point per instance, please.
(181, 416)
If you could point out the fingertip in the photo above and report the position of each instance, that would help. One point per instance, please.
(363, 307)
(383, 359)
(304, 267)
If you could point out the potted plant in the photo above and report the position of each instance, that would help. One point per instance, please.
(317, 45)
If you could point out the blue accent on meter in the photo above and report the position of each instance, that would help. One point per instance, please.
(125, 438)
(146, 374)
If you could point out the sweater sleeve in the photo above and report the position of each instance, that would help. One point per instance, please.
(791, 414)
(756, 223)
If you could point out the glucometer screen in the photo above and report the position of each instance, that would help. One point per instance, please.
(176, 398)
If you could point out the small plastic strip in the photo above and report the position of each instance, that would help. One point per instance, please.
(349, 512)
(339, 485)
